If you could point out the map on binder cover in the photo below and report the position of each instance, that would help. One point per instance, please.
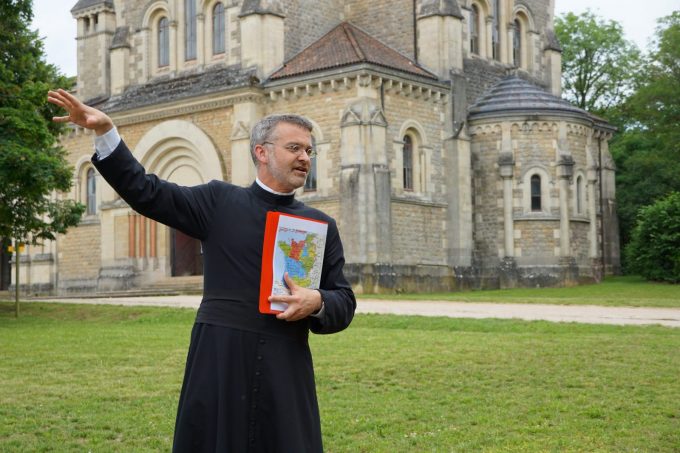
(291, 244)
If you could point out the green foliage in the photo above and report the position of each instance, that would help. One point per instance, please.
(32, 165)
(647, 150)
(597, 62)
(654, 249)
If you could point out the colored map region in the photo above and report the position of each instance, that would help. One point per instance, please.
(300, 256)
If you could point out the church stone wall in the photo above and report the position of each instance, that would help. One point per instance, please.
(537, 241)
(402, 111)
(580, 241)
(216, 123)
(313, 19)
(325, 109)
(80, 257)
(417, 234)
(487, 196)
(480, 75)
(390, 21)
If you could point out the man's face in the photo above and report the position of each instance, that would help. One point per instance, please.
(280, 168)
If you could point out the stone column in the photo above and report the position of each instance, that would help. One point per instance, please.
(200, 39)
(246, 114)
(365, 187)
(594, 251)
(565, 169)
(458, 158)
(440, 28)
(506, 165)
(262, 36)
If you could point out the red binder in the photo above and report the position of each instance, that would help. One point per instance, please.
(291, 244)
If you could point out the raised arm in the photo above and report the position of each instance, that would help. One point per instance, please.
(187, 209)
(79, 113)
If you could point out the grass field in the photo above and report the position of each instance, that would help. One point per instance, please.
(106, 378)
(613, 291)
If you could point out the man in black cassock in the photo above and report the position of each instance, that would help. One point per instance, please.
(249, 378)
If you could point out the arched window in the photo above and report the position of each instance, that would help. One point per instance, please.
(474, 30)
(163, 42)
(310, 182)
(408, 162)
(495, 31)
(535, 193)
(190, 29)
(580, 195)
(517, 44)
(91, 192)
(218, 29)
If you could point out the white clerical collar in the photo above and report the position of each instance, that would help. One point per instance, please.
(269, 189)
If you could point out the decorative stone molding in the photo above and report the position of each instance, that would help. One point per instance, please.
(241, 131)
(330, 83)
(182, 107)
(363, 113)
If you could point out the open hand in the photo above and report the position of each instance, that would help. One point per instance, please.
(79, 113)
(302, 302)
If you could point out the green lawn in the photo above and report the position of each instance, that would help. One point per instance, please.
(105, 378)
(613, 291)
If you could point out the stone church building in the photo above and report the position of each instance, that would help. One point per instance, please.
(444, 150)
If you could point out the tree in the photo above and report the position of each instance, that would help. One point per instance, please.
(33, 168)
(597, 62)
(654, 249)
(647, 150)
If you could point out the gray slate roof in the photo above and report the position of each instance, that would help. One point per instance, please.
(168, 89)
(513, 95)
(84, 4)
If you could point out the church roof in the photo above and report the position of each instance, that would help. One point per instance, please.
(513, 95)
(84, 4)
(347, 45)
(168, 89)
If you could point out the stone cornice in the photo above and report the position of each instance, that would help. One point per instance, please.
(417, 202)
(95, 33)
(364, 75)
(186, 106)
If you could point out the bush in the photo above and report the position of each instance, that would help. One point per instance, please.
(654, 248)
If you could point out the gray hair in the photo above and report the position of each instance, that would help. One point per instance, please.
(264, 129)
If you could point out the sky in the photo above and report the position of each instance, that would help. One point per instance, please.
(55, 24)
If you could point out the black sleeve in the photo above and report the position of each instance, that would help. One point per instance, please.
(336, 292)
(187, 209)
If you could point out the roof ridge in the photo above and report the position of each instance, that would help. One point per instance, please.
(348, 29)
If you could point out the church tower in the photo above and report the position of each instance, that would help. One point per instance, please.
(96, 28)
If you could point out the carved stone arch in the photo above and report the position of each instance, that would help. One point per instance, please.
(484, 7)
(317, 132)
(414, 125)
(182, 153)
(164, 144)
(523, 13)
(350, 118)
(579, 196)
(153, 14)
(81, 167)
(363, 111)
(154, 10)
(546, 182)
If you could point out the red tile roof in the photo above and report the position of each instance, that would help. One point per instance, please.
(347, 45)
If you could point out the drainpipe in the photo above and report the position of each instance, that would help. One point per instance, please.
(602, 246)
(415, 33)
